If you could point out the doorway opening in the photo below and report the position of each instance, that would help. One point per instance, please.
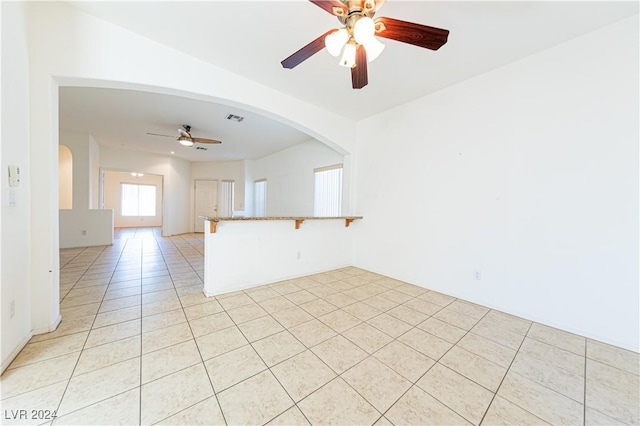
(136, 198)
(206, 202)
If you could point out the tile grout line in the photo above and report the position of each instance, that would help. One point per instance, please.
(77, 332)
(213, 389)
(82, 350)
(94, 403)
(185, 258)
(436, 362)
(584, 396)
(85, 342)
(505, 376)
(257, 353)
(307, 348)
(140, 362)
(83, 274)
(158, 248)
(263, 361)
(561, 368)
(339, 375)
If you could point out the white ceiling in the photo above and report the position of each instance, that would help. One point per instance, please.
(123, 118)
(250, 38)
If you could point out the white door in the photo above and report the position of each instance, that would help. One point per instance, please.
(206, 195)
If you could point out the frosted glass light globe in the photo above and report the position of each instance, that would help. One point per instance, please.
(336, 40)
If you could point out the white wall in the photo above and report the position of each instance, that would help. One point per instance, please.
(94, 173)
(113, 198)
(249, 177)
(175, 173)
(528, 173)
(219, 170)
(86, 228)
(15, 219)
(78, 143)
(290, 177)
(83, 226)
(65, 178)
(243, 254)
(177, 209)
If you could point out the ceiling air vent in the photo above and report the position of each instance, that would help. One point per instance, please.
(202, 148)
(235, 118)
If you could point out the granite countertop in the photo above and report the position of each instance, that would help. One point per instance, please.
(225, 219)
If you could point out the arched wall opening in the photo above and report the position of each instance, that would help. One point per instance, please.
(289, 194)
(72, 48)
(341, 142)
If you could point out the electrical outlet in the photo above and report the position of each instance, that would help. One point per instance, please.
(299, 255)
(83, 232)
(477, 274)
(12, 309)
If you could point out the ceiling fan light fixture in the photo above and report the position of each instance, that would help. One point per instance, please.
(185, 141)
(364, 30)
(335, 41)
(349, 55)
(355, 16)
(374, 48)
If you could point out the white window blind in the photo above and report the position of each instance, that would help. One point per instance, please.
(260, 197)
(138, 200)
(226, 202)
(328, 191)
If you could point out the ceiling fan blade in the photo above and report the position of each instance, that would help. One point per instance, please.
(328, 5)
(158, 134)
(416, 34)
(306, 52)
(359, 77)
(203, 140)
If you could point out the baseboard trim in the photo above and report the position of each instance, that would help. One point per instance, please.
(52, 327)
(7, 362)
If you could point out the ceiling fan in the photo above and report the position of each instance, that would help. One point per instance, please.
(356, 39)
(185, 138)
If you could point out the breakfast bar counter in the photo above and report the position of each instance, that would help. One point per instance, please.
(244, 252)
(298, 220)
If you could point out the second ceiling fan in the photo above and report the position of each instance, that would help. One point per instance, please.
(357, 39)
(185, 138)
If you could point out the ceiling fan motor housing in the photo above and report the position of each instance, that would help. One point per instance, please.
(357, 10)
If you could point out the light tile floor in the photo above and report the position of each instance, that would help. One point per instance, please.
(140, 344)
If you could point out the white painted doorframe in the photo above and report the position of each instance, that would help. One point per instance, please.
(205, 202)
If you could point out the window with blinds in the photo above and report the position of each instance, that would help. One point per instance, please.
(226, 198)
(138, 200)
(328, 191)
(260, 197)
